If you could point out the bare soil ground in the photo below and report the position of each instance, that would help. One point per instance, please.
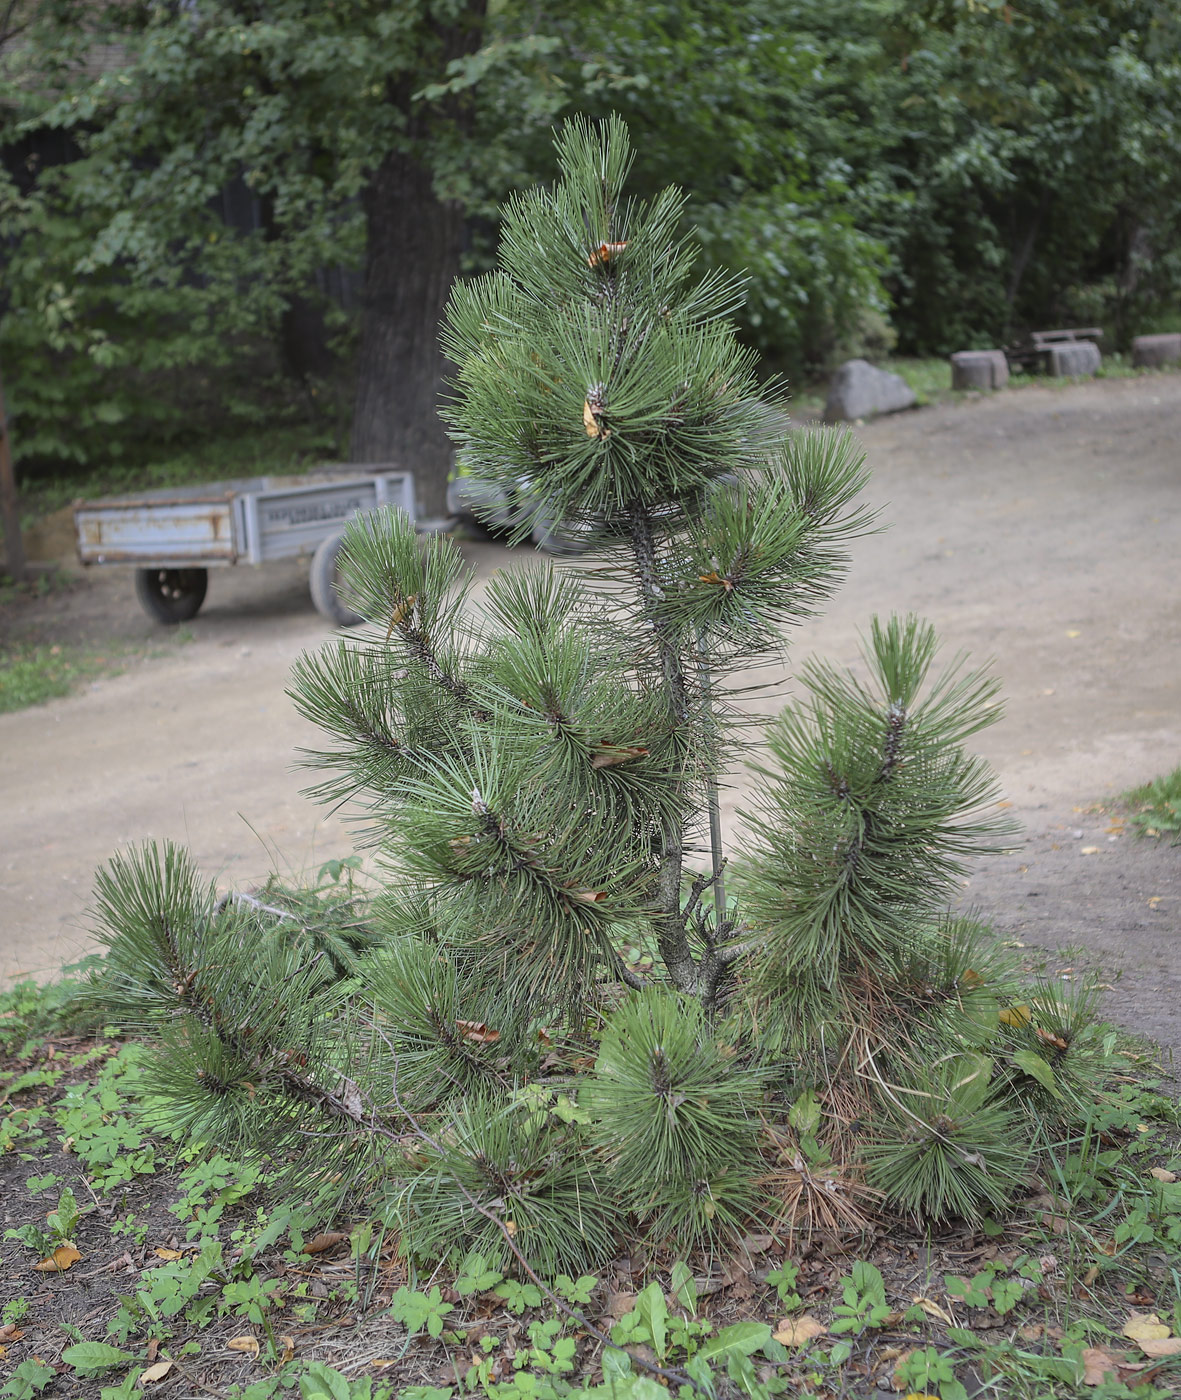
(1041, 527)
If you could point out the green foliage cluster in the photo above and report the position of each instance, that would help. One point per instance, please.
(554, 1026)
(1156, 807)
(1115, 1228)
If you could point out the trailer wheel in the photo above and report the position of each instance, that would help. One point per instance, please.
(171, 595)
(324, 579)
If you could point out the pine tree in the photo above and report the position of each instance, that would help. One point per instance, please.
(556, 1017)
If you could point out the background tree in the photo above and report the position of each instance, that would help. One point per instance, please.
(934, 175)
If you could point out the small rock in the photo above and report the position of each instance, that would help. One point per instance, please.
(859, 390)
(1073, 358)
(1153, 350)
(979, 369)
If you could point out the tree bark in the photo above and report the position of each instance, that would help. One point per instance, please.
(414, 243)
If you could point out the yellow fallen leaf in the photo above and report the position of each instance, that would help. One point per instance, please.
(382, 1362)
(1162, 1175)
(932, 1309)
(799, 1331)
(920, 1395)
(1161, 1346)
(1016, 1016)
(1088, 850)
(319, 1243)
(288, 1349)
(249, 1345)
(163, 1253)
(1098, 1366)
(3, 1353)
(1144, 1327)
(64, 1257)
(1073, 632)
(154, 1373)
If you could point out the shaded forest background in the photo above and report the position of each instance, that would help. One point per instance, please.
(225, 217)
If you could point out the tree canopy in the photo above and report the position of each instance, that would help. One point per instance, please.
(213, 210)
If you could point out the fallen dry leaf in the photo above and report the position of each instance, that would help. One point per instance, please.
(932, 1309)
(1098, 1366)
(1144, 1327)
(799, 1331)
(10, 1332)
(319, 1243)
(1015, 1016)
(3, 1353)
(478, 1031)
(64, 1257)
(1088, 850)
(382, 1362)
(1160, 1346)
(1162, 1175)
(618, 1305)
(288, 1349)
(163, 1253)
(612, 755)
(249, 1345)
(154, 1373)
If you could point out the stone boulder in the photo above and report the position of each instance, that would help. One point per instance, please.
(858, 390)
(979, 369)
(1152, 350)
(1073, 358)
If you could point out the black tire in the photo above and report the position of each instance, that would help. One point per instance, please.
(323, 579)
(171, 596)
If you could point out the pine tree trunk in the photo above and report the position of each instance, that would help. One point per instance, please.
(414, 241)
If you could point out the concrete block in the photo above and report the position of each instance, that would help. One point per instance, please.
(858, 390)
(1153, 350)
(979, 369)
(1073, 357)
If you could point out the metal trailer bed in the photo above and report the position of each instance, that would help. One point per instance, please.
(175, 535)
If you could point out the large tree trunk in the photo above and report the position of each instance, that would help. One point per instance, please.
(414, 242)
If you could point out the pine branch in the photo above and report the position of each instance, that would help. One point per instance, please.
(574, 1314)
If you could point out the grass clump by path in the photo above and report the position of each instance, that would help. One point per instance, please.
(135, 1263)
(32, 673)
(1157, 807)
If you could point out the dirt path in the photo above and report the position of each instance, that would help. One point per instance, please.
(1040, 527)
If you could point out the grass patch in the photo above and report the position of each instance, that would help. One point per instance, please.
(1158, 807)
(32, 673)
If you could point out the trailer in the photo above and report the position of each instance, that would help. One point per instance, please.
(174, 536)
